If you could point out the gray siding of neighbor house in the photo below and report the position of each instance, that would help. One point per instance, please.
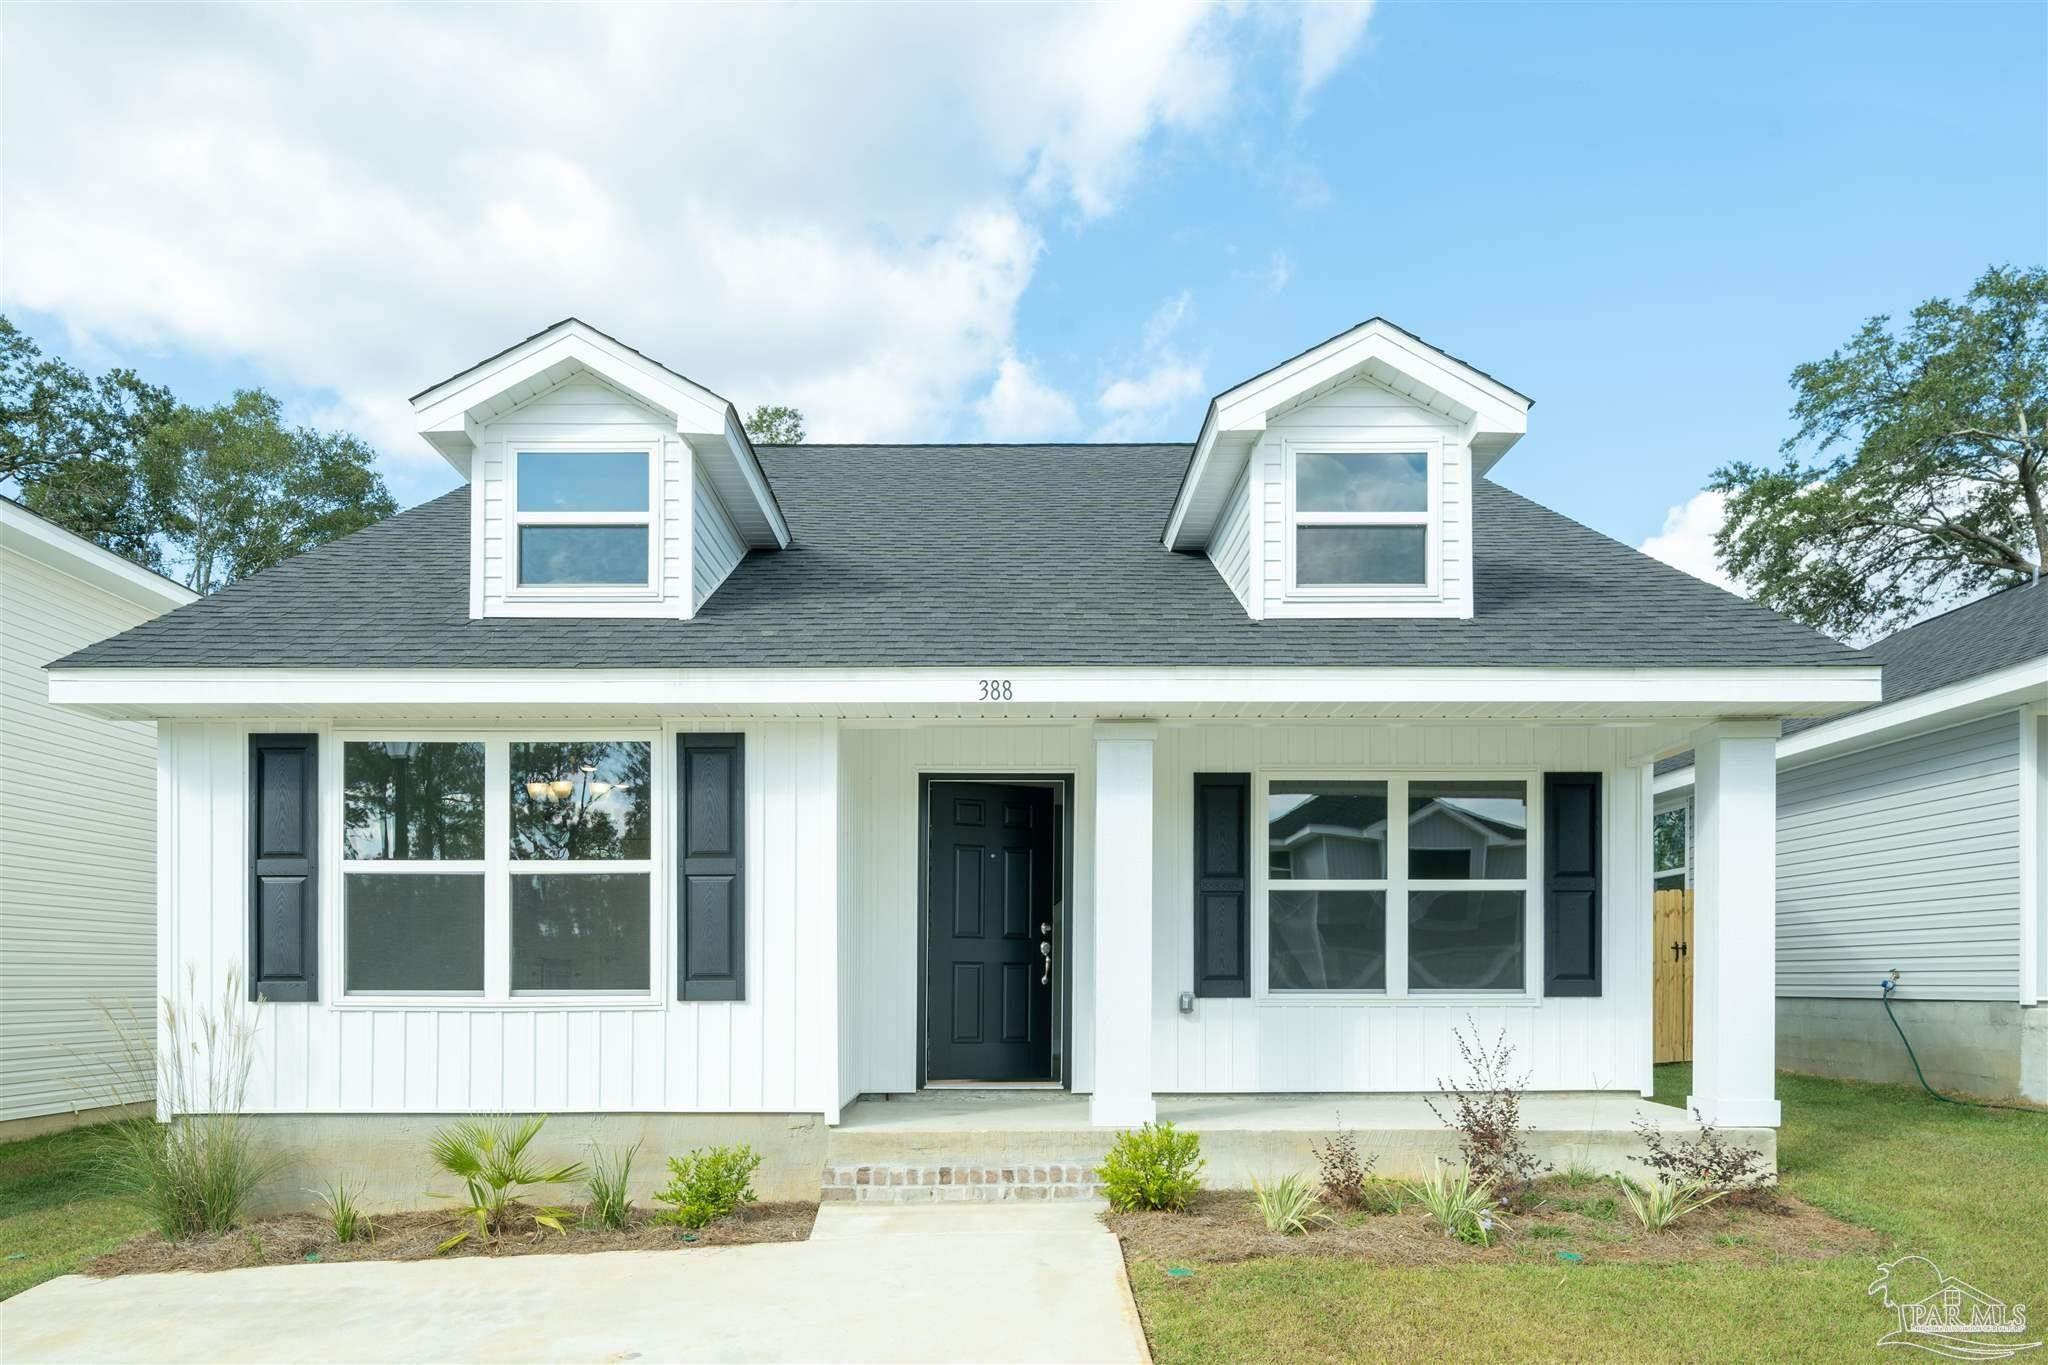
(1904, 856)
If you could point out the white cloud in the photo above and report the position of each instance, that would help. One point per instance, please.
(1138, 404)
(1687, 540)
(1019, 406)
(836, 207)
(1279, 270)
(1329, 33)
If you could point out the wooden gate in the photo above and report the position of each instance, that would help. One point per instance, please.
(1671, 919)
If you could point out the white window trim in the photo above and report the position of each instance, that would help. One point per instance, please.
(1398, 884)
(1431, 519)
(497, 868)
(516, 520)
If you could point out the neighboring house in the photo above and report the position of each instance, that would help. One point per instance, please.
(693, 789)
(1912, 837)
(77, 837)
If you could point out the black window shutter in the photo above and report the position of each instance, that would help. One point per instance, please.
(1223, 884)
(284, 867)
(1571, 884)
(711, 842)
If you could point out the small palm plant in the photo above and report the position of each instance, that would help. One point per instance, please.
(489, 1157)
(1664, 1201)
(1289, 1205)
(1458, 1203)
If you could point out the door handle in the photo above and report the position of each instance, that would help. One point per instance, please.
(1045, 951)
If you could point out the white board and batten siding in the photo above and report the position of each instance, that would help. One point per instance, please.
(1907, 856)
(1250, 543)
(773, 1052)
(77, 837)
(1260, 1044)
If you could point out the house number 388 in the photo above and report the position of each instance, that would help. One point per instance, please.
(996, 689)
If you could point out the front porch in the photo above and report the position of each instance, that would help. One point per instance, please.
(950, 1145)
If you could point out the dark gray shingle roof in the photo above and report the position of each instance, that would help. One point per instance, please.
(969, 556)
(2000, 631)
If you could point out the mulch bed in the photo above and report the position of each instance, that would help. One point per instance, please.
(1590, 1223)
(296, 1238)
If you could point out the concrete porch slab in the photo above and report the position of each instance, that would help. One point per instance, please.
(1243, 1136)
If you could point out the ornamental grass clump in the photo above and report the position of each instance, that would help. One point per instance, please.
(708, 1184)
(606, 1202)
(196, 1173)
(1154, 1167)
(489, 1157)
(1289, 1205)
(342, 1204)
(1460, 1203)
(1664, 1201)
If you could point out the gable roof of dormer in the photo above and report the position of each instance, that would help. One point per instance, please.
(451, 413)
(1494, 415)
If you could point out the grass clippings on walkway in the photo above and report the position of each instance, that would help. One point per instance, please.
(289, 1239)
(1966, 1187)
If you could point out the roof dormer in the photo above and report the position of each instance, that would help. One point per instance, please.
(1340, 482)
(601, 482)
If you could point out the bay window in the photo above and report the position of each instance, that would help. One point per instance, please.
(547, 889)
(1360, 519)
(1436, 900)
(584, 519)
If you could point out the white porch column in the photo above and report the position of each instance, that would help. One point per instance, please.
(1123, 926)
(1735, 935)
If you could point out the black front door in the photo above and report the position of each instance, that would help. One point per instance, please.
(989, 892)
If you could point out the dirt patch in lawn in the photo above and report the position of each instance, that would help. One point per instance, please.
(295, 1238)
(1586, 1224)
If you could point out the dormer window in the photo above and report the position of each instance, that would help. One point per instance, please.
(1362, 519)
(583, 519)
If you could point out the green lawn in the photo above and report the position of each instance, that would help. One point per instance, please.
(55, 1210)
(1966, 1187)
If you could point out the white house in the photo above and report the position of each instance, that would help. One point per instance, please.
(682, 787)
(1911, 839)
(77, 856)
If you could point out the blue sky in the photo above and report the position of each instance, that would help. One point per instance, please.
(1058, 224)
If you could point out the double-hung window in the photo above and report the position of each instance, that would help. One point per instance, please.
(1361, 520)
(583, 520)
(498, 867)
(1398, 885)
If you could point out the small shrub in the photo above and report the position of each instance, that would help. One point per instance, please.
(1459, 1203)
(1663, 1202)
(606, 1202)
(489, 1157)
(708, 1184)
(342, 1203)
(1708, 1159)
(196, 1173)
(1154, 1167)
(1345, 1172)
(1289, 1205)
(1486, 1114)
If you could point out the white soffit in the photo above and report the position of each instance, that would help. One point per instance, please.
(451, 414)
(1493, 415)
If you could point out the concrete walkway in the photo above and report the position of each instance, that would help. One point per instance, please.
(965, 1282)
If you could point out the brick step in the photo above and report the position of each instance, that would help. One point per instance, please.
(955, 1182)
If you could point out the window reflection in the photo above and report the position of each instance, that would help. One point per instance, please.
(412, 800)
(1468, 831)
(581, 800)
(1326, 831)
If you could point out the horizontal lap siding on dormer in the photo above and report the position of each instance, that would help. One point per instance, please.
(1363, 411)
(1230, 549)
(718, 546)
(586, 411)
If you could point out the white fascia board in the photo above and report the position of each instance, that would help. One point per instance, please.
(741, 447)
(2008, 688)
(48, 544)
(1499, 415)
(1936, 710)
(1579, 694)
